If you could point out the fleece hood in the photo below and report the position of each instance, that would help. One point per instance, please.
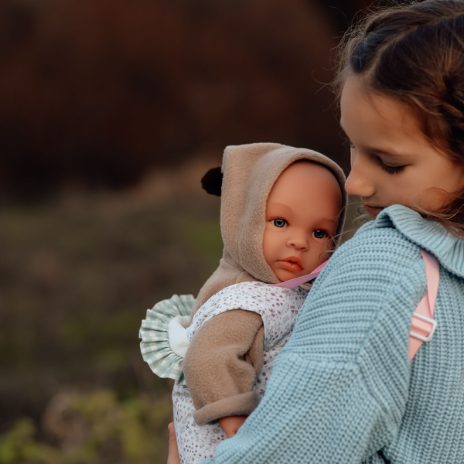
(249, 173)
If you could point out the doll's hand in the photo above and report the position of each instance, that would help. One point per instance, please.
(231, 424)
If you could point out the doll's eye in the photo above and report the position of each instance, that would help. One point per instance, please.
(279, 222)
(320, 233)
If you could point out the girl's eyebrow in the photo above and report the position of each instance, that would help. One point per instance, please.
(376, 151)
(389, 153)
(380, 152)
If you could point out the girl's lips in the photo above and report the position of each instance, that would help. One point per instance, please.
(291, 264)
(373, 211)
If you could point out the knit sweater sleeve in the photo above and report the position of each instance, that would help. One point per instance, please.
(339, 388)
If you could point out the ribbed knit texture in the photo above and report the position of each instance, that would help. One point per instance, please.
(343, 389)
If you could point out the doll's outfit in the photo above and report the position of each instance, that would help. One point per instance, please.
(239, 320)
(199, 433)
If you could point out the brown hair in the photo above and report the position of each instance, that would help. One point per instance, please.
(415, 53)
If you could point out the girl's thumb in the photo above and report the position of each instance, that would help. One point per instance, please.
(173, 453)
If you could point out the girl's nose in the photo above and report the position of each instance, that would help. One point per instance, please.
(358, 181)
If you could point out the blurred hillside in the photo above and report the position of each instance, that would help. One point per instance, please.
(76, 278)
(99, 92)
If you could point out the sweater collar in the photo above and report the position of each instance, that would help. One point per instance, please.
(429, 235)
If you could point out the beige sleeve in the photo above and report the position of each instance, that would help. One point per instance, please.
(221, 365)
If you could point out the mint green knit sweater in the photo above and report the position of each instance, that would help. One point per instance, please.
(343, 389)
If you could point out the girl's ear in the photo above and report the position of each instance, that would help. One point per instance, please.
(212, 181)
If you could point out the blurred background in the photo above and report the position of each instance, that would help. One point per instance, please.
(110, 113)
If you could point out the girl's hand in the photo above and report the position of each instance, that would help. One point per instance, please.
(231, 424)
(173, 452)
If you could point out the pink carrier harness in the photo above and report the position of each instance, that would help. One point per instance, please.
(423, 323)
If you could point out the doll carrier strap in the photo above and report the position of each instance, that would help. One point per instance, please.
(423, 323)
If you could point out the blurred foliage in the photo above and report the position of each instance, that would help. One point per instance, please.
(76, 277)
(92, 428)
(19, 445)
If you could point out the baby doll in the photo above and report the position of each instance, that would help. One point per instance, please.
(281, 209)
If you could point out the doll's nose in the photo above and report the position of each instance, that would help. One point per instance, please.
(299, 242)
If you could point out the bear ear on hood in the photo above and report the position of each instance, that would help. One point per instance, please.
(212, 181)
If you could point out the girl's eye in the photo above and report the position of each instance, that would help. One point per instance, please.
(392, 169)
(319, 233)
(279, 222)
(389, 169)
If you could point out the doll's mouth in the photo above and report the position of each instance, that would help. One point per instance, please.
(292, 264)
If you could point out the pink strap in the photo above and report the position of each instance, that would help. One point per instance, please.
(297, 281)
(423, 323)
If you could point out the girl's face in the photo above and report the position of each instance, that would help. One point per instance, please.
(302, 214)
(392, 162)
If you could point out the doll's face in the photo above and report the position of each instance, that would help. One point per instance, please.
(302, 214)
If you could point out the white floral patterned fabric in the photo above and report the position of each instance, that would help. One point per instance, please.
(278, 308)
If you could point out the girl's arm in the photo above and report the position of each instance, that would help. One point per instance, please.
(338, 390)
(173, 451)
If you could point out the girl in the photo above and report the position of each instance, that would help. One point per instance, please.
(280, 211)
(343, 390)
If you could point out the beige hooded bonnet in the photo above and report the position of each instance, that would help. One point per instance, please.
(249, 173)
